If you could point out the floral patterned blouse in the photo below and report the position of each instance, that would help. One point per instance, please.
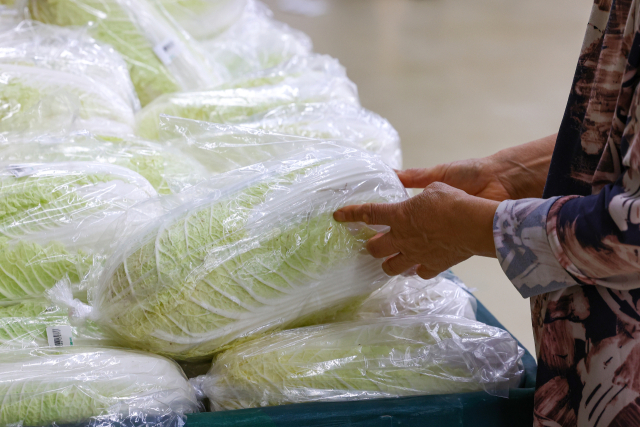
(576, 252)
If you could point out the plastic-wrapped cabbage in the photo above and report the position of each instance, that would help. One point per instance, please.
(161, 57)
(70, 50)
(204, 19)
(91, 386)
(222, 148)
(329, 121)
(255, 42)
(24, 325)
(55, 218)
(366, 359)
(302, 80)
(167, 170)
(411, 295)
(23, 88)
(260, 254)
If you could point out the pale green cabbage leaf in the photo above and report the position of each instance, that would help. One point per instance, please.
(204, 19)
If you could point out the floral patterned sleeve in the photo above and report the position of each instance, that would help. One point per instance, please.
(547, 245)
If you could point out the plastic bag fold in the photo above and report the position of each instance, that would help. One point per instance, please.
(260, 252)
(374, 358)
(92, 386)
(407, 295)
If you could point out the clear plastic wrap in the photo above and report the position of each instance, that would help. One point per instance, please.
(255, 42)
(70, 50)
(24, 325)
(328, 121)
(55, 218)
(367, 359)
(411, 295)
(204, 19)
(259, 253)
(24, 88)
(302, 80)
(161, 57)
(167, 169)
(85, 386)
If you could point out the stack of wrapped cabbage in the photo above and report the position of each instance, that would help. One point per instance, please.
(168, 174)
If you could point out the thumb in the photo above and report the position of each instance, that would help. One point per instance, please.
(421, 178)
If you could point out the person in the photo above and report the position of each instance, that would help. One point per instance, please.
(570, 243)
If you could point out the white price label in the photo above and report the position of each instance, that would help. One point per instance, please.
(20, 171)
(168, 50)
(60, 336)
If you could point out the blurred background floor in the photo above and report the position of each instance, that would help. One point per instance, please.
(457, 79)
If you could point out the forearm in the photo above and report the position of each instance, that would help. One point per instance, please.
(523, 169)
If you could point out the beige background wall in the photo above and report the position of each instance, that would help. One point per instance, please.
(458, 79)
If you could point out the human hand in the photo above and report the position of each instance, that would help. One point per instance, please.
(437, 229)
(514, 173)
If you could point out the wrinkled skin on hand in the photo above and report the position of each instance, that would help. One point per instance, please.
(437, 229)
(452, 219)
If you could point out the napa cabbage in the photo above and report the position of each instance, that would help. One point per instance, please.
(167, 170)
(302, 80)
(335, 121)
(70, 50)
(204, 19)
(261, 254)
(254, 42)
(24, 325)
(55, 219)
(161, 57)
(23, 88)
(367, 359)
(104, 386)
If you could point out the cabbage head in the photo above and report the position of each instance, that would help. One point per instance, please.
(303, 80)
(262, 254)
(367, 359)
(138, 31)
(42, 387)
(24, 325)
(55, 219)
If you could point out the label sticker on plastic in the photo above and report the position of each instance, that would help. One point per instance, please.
(60, 336)
(20, 171)
(168, 50)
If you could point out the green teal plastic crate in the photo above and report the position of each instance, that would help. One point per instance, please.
(452, 410)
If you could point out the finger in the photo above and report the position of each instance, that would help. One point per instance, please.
(397, 264)
(426, 272)
(369, 213)
(420, 178)
(381, 246)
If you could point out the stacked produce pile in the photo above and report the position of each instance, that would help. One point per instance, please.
(168, 174)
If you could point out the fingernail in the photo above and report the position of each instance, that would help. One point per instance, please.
(338, 216)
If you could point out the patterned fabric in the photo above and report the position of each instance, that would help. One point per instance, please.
(576, 253)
